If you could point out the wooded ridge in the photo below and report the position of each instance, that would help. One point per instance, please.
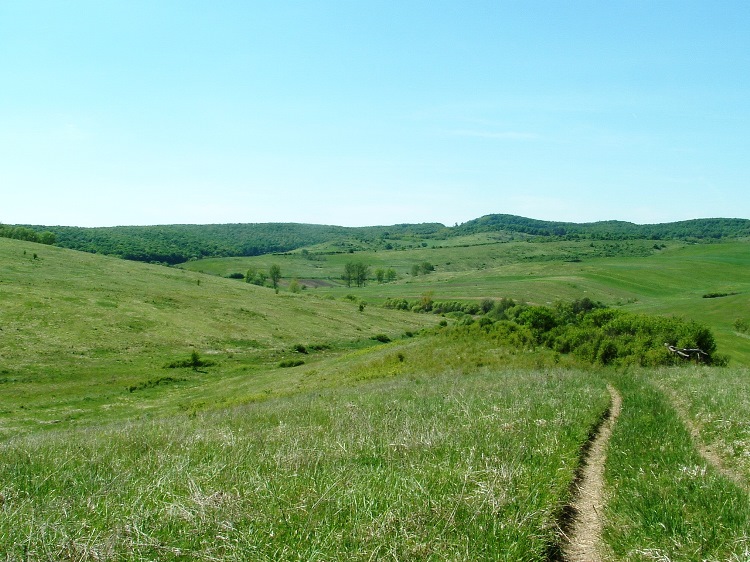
(174, 244)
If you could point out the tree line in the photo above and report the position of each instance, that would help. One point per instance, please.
(28, 234)
(699, 229)
(173, 244)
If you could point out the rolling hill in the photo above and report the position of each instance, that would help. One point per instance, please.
(71, 319)
(174, 244)
(152, 412)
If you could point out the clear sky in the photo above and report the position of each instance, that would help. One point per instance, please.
(359, 112)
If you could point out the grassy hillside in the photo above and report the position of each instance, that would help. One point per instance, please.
(665, 278)
(78, 330)
(450, 444)
(440, 446)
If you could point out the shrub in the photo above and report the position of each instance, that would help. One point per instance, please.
(381, 338)
(472, 308)
(607, 353)
(195, 361)
(397, 304)
(152, 383)
(485, 321)
(291, 363)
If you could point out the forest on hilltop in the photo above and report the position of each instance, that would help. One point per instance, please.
(699, 229)
(173, 244)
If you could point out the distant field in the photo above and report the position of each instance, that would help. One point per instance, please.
(669, 280)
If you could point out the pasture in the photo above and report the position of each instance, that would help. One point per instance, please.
(392, 438)
(669, 279)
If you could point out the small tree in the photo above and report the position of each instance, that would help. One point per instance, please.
(349, 273)
(426, 302)
(356, 272)
(390, 275)
(363, 272)
(380, 274)
(275, 274)
(294, 286)
(426, 267)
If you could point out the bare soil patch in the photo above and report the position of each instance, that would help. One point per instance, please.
(584, 531)
(315, 283)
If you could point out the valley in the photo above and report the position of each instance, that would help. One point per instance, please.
(184, 413)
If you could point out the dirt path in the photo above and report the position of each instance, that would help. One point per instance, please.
(584, 535)
(706, 451)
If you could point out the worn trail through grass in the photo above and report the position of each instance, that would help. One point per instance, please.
(584, 537)
(706, 450)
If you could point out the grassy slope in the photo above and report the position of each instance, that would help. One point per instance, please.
(487, 451)
(444, 460)
(632, 274)
(78, 329)
(666, 502)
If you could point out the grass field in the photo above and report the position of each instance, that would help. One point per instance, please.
(445, 466)
(633, 274)
(666, 501)
(79, 330)
(440, 444)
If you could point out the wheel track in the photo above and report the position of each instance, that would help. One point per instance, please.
(584, 516)
(706, 450)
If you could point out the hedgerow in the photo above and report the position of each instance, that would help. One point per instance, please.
(586, 329)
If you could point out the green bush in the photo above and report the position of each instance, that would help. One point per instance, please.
(291, 363)
(194, 362)
(593, 333)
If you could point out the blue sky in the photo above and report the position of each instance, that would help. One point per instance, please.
(372, 112)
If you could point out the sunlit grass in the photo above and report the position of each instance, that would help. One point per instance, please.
(717, 403)
(665, 501)
(449, 467)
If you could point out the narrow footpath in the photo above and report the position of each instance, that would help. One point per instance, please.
(705, 450)
(584, 537)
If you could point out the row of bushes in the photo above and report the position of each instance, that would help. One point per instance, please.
(588, 330)
(23, 233)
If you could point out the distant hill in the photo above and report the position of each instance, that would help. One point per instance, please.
(698, 229)
(174, 244)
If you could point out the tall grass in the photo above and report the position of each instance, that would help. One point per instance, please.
(717, 404)
(666, 502)
(472, 466)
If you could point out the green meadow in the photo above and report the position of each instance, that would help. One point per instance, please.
(666, 278)
(172, 413)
